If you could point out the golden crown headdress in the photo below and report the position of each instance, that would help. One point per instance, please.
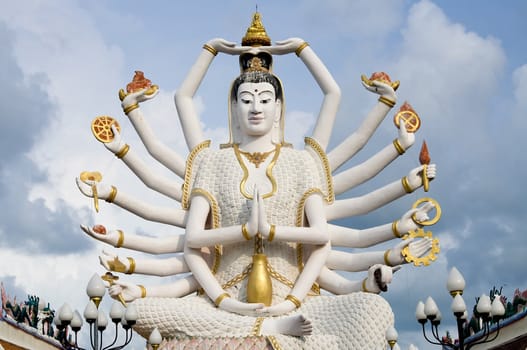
(256, 36)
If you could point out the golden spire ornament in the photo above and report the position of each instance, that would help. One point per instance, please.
(256, 34)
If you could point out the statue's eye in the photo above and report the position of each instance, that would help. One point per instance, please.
(267, 100)
(245, 101)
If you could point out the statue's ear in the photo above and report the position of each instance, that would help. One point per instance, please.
(278, 111)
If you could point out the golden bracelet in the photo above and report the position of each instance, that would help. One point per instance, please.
(387, 101)
(397, 144)
(113, 194)
(120, 241)
(406, 185)
(272, 231)
(301, 47)
(364, 289)
(386, 260)
(143, 290)
(396, 232)
(132, 266)
(123, 151)
(220, 298)
(245, 233)
(130, 108)
(210, 49)
(294, 300)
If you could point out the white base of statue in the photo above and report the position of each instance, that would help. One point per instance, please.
(354, 321)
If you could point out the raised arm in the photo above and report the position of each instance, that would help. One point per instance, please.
(184, 97)
(157, 149)
(158, 183)
(324, 79)
(354, 143)
(110, 194)
(364, 204)
(360, 173)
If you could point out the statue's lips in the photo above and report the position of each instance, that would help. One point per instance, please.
(256, 120)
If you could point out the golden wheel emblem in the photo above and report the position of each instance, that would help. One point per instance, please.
(101, 128)
(424, 260)
(411, 120)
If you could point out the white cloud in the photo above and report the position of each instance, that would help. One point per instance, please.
(520, 87)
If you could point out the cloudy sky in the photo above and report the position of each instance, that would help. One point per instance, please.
(461, 64)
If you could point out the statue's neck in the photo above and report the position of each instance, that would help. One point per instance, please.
(256, 143)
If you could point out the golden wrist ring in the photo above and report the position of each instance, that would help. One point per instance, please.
(143, 290)
(396, 232)
(113, 194)
(387, 101)
(245, 233)
(120, 240)
(294, 300)
(220, 298)
(364, 289)
(406, 185)
(122, 152)
(132, 266)
(272, 231)
(301, 47)
(130, 108)
(400, 149)
(386, 260)
(210, 49)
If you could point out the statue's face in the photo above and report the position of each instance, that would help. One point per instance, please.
(257, 108)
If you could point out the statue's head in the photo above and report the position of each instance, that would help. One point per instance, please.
(256, 100)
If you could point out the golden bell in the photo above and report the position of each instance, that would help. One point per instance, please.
(259, 286)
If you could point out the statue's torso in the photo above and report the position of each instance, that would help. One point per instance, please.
(225, 179)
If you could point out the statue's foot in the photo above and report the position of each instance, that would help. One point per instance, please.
(296, 325)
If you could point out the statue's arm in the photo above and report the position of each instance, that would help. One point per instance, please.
(157, 149)
(331, 90)
(316, 233)
(201, 271)
(360, 173)
(364, 204)
(376, 281)
(171, 216)
(354, 143)
(154, 267)
(342, 236)
(184, 97)
(129, 291)
(198, 236)
(312, 266)
(353, 262)
(152, 245)
(151, 179)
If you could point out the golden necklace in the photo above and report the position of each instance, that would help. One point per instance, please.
(256, 158)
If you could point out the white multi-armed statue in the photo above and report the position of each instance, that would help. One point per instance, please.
(257, 258)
